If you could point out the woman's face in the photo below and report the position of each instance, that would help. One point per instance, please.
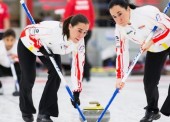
(9, 42)
(120, 15)
(78, 31)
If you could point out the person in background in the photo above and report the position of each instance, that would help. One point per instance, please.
(4, 18)
(60, 38)
(135, 24)
(8, 53)
(86, 8)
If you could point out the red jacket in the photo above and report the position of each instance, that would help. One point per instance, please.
(84, 7)
(3, 14)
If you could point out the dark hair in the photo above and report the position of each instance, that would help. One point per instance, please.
(123, 3)
(73, 20)
(9, 32)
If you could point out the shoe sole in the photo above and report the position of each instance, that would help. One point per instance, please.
(29, 120)
(15, 94)
(157, 117)
(38, 120)
(154, 118)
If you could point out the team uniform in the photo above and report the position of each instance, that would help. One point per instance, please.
(5, 61)
(142, 21)
(4, 54)
(84, 7)
(50, 33)
(4, 14)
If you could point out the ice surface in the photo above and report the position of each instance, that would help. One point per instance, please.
(126, 107)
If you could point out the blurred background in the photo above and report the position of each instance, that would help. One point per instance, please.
(101, 55)
(100, 49)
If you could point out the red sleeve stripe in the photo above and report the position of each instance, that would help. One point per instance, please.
(161, 36)
(121, 47)
(78, 74)
(119, 67)
(78, 68)
(168, 19)
(120, 61)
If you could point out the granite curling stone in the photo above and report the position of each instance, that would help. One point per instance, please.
(93, 112)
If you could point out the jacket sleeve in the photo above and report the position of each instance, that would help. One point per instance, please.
(162, 21)
(163, 33)
(4, 60)
(122, 59)
(78, 57)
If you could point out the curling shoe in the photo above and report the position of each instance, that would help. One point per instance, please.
(15, 93)
(43, 118)
(1, 89)
(27, 117)
(150, 116)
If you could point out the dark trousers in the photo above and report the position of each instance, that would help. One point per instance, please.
(48, 104)
(87, 65)
(166, 106)
(5, 71)
(1, 35)
(153, 66)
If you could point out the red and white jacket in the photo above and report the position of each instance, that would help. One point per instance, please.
(142, 21)
(50, 33)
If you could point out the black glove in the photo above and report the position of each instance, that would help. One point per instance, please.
(44, 52)
(76, 99)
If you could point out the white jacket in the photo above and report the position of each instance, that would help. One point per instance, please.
(4, 58)
(142, 21)
(50, 33)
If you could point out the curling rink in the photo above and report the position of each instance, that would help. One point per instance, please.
(127, 106)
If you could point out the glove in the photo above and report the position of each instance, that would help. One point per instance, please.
(44, 52)
(76, 99)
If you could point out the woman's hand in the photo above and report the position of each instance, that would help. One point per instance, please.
(13, 57)
(147, 45)
(119, 84)
(76, 99)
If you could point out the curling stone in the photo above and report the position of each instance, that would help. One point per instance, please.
(93, 112)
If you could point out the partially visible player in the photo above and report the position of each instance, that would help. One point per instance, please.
(4, 18)
(135, 24)
(8, 53)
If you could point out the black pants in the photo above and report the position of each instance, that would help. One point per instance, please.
(153, 66)
(4, 71)
(87, 65)
(48, 103)
(1, 35)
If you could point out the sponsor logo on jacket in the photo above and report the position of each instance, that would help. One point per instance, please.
(82, 5)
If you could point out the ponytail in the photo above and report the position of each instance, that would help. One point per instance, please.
(66, 26)
(132, 6)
